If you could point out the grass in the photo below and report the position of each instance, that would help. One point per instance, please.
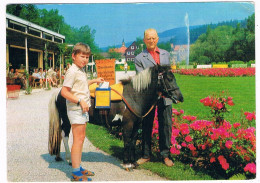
(101, 138)
(193, 88)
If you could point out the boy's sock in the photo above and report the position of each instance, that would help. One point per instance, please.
(81, 169)
(77, 172)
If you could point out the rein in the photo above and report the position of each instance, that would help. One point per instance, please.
(131, 109)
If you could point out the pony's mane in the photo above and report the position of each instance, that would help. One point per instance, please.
(140, 81)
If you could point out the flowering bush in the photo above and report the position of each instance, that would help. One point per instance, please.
(215, 145)
(219, 72)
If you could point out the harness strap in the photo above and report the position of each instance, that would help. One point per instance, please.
(131, 109)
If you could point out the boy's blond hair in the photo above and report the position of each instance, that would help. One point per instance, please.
(81, 48)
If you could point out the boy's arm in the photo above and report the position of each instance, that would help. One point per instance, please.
(98, 80)
(65, 92)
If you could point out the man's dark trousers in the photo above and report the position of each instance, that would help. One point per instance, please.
(165, 130)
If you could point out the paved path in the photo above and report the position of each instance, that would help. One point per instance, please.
(27, 147)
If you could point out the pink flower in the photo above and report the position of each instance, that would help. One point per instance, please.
(251, 167)
(219, 105)
(173, 150)
(250, 116)
(183, 144)
(181, 111)
(228, 144)
(188, 138)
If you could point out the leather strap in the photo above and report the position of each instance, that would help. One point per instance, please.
(131, 109)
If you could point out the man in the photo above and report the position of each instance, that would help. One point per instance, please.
(149, 58)
(37, 77)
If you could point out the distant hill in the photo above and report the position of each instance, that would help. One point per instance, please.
(178, 36)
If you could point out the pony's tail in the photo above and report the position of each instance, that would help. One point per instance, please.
(54, 126)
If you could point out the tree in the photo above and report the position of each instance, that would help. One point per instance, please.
(25, 11)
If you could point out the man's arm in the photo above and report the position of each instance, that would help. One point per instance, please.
(138, 65)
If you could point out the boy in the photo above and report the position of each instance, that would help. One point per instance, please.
(75, 90)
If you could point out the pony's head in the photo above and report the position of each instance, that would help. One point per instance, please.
(167, 84)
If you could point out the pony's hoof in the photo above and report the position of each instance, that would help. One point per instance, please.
(58, 159)
(129, 169)
(135, 165)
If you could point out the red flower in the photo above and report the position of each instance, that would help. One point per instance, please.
(191, 147)
(236, 125)
(230, 102)
(212, 160)
(188, 138)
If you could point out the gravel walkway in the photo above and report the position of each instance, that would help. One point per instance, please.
(27, 147)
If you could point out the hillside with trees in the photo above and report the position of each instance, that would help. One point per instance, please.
(225, 43)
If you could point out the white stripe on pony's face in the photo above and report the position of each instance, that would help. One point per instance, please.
(117, 117)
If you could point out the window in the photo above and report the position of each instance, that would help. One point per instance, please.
(128, 59)
(132, 59)
(132, 47)
(16, 26)
(34, 32)
(128, 53)
(58, 40)
(132, 53)
(47, 36)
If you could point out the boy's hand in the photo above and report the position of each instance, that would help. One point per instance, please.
(84, 106)
(100, 80)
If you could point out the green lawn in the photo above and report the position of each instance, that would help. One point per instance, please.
(101, 138)
(193, 88)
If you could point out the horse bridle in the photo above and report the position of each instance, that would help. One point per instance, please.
(165, 89)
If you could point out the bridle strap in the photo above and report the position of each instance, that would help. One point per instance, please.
(160, 78)
(131, 109)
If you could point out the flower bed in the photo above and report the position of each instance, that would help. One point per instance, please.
(217, 145)
(218, 72)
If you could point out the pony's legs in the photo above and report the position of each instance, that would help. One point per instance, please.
(67, 149)
(130, 129)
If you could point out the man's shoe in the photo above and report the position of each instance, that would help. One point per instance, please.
(142, 161)
(168, 162)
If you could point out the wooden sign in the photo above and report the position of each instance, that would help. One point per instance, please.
(106, 70)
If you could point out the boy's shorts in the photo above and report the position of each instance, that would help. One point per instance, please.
(77, 117)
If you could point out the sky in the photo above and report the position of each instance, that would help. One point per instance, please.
(114, 22)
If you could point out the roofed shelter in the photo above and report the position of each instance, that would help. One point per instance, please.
(26, 42)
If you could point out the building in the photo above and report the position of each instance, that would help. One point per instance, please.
(130, 52)
(178, 53)
(27, 44)
(119, 50)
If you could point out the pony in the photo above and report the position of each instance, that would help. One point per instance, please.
(140, 95)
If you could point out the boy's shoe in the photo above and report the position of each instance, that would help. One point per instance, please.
(80, 178)
(87, 172)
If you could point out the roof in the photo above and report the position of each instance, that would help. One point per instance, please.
(30, 24)
(118, 50)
